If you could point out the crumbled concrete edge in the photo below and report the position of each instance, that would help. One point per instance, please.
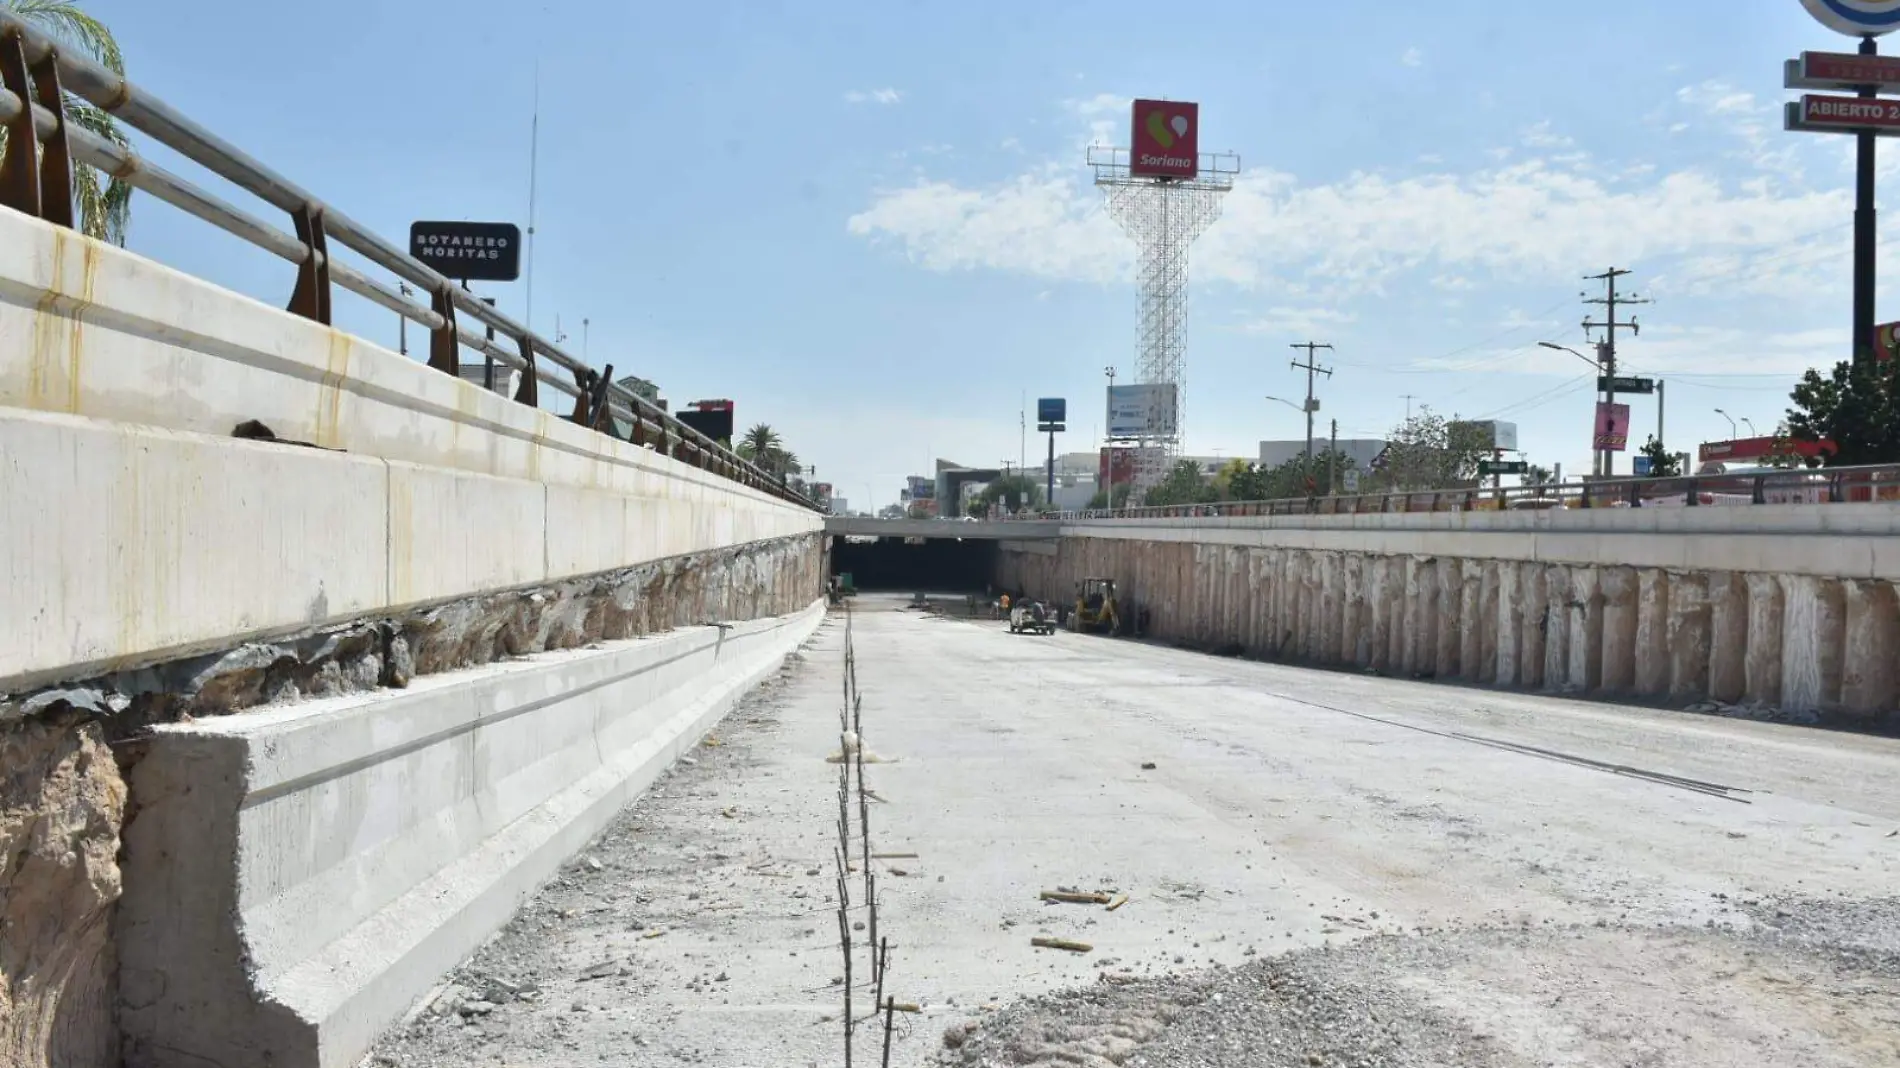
(62, 801)
(746, 582)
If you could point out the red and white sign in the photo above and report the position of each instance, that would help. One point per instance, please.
(1613, 426)
(1844, 70)
(1849, 112)
(1758, 448)
(1886, 341)
(1166, 140)
(1116, 467)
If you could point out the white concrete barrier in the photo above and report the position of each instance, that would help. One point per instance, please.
(1842, 540)
(296, 877)
(134, 528)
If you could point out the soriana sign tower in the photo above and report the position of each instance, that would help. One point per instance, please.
(1165, 140)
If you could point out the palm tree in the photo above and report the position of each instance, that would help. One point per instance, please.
(759, 443)
(104, 209)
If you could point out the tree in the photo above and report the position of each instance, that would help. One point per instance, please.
(759, 442)
(104, 209)
(1013, 491)
(1856, 408)
(1537, 476)
(1184, 485)
(763, 446)
(1662, 462)
(1429, 451)
(1122, 490)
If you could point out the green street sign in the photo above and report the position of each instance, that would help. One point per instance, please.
(1503, 467)
(1625, 384)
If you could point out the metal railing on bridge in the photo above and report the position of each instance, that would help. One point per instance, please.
(1827, 485)
(33, 68)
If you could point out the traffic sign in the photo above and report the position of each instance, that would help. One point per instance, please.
(1641, 466)
(1625, 384)
(1856, 18)
(1503, 467)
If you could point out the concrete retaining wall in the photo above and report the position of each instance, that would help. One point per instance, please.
(1788, 607)
(296, 877)
(135, 529)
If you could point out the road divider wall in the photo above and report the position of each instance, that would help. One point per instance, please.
(297, 877)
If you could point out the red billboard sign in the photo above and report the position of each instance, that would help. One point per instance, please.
(1165, 142)
(1117, 467)
(1851, 112)
(1613, 426)
(1760, 448)
(1886, 341)
(1844, 70)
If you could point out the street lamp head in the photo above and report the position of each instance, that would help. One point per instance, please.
(1551, 345)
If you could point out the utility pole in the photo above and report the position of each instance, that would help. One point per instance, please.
(1311, 368)
(1332, 463)
(1660, 447)
(1606, 359)
(1409, 398)
(1864, 234)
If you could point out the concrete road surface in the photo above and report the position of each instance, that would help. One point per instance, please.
(1501, 879)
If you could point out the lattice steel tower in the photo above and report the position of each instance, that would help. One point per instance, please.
(1164, 216)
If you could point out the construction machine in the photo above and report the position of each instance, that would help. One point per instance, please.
(1097, 609)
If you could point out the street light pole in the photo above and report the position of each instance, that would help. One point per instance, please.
(1731, 422)
(1596, 455)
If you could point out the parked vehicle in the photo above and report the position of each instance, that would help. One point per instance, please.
(1027, 616)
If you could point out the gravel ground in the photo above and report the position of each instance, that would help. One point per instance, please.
(1810, 984)
(1313, 880)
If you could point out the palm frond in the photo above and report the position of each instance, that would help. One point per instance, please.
(63, 20)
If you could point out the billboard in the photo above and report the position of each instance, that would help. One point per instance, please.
(920, 488)
(1051, 413)
(1116, 468)
(1613, 426)
(1493, 433)
(1144, 411)
(1742, 449)
(1166, 138)
(821, 491)
(712, 418)
(469, 251)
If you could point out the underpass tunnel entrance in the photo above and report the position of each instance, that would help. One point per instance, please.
(943, 565)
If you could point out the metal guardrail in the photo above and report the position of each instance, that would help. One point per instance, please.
(1825, 485)
(32, 68)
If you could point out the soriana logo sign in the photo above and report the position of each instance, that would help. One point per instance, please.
(1165, 139)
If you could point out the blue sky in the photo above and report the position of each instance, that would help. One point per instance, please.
(871, 226)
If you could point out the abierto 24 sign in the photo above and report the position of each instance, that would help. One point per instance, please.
(468, 251)
(1166, 140)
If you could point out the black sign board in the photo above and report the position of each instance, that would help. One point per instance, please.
(715, 423)
(468, 251)
(1625, 384)
(1051, 413)
(1503, 467)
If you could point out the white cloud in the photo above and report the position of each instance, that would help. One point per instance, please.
(1530, 219)
(1540, 136)
(1106, 115)
(873, 96)
(1290, 320)
(1412, 57)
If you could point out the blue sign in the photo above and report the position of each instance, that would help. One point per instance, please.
(1856, 18)
(1052, 410)
(1640, 466)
